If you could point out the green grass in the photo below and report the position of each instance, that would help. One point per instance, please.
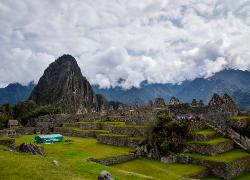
(245, 176)
(226, 157)
(205, 132)
(104, 122)
(72, 159)
(115, 135)
(131, 126)
(239, 118)
(211, 142)
(136, 138)
(5, 138)
(73, 163)
(90, 130)
(158, 170)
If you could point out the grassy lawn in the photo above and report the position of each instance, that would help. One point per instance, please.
(73, 164)
(205, 132)
(212, 141)
(238, 118)
(72, 158)
(226, 157)
(158, 170)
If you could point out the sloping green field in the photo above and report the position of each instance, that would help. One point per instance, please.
(73, 163)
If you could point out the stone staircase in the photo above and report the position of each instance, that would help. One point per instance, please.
(210, 149)
(117, 133)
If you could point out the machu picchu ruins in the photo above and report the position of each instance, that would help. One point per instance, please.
(124, 90)
(212, 136)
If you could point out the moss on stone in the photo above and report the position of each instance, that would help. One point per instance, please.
(115, 135)
(205, 132)
(240, 118)
(226, 157)
(131, 126)
(136, 138)
(211, 142)
(103, 122)
(5, 138)
(90, 130)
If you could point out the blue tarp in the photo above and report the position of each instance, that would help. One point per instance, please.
(51, 138)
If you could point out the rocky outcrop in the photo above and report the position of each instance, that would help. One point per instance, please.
(31, 148)
(63, 85)
(174, 101)
(216, 100)
(105, 175)
(159, 102)
(225, 104)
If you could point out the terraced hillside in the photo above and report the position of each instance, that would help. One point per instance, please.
(117, 133)
(219, 154)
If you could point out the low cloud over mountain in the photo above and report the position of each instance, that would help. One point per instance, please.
(157, 41)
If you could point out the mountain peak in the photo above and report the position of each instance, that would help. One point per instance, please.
(63, 84)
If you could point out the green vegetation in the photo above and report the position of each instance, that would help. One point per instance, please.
(5, 138)
(24, 111)
(205, 132)
(120, 135)
(240, 117)
(158, 170)
(72, 159)
(74, 164)
(166, 129)
(212, 141)
(90, 130)
(226, 157)
(131, 126)
(245, 176)
(136, 138)
(101, 122)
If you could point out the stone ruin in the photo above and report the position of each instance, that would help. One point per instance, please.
(174, 101)
(196, 103)
(225, 104)
(158, 103)
(216, 100)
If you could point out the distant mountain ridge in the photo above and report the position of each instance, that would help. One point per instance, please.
(234, 82)
(15, 92)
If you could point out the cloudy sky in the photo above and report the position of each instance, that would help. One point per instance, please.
(155, 40)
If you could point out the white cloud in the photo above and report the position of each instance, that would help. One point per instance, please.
(155, 40)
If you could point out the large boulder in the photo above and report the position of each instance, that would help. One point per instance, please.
(105, 175)
(31, 148)
(63, 85)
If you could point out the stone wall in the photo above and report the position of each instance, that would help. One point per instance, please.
(220, 169)
(239, 124)
(211, 149)
(116, 140)
(10, 142)
(130, 130)
(115, 160)
(70, 132)
(93, 126)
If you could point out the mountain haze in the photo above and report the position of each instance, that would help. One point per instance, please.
(234, 82)
(15, 92)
